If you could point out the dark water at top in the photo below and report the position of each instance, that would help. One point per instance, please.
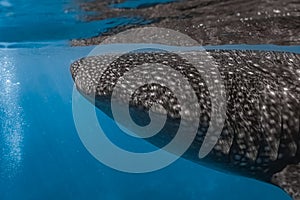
(41, 155)
(52, 20)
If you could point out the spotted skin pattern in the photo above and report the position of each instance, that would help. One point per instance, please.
(260, 138)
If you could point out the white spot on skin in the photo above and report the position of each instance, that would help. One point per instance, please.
(276, 11)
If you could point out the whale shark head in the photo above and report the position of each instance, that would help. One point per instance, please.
(146, 82)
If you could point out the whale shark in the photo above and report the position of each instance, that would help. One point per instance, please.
(260, 137)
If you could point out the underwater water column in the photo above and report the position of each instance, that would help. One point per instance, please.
(11, 115)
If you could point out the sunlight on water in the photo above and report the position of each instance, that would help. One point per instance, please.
(12, 121)
(5, 3)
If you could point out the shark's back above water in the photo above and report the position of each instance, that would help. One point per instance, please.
(260, 137)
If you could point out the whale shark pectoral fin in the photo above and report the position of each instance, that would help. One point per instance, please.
(289, 180)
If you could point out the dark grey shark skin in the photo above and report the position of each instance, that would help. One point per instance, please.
(260, 138)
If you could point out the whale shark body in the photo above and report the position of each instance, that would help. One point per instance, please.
(260, 138)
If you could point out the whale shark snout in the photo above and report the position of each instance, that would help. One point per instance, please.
(260, 137)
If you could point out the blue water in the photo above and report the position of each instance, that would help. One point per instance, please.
(50, 20)
(41, 155)
(139, 4)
